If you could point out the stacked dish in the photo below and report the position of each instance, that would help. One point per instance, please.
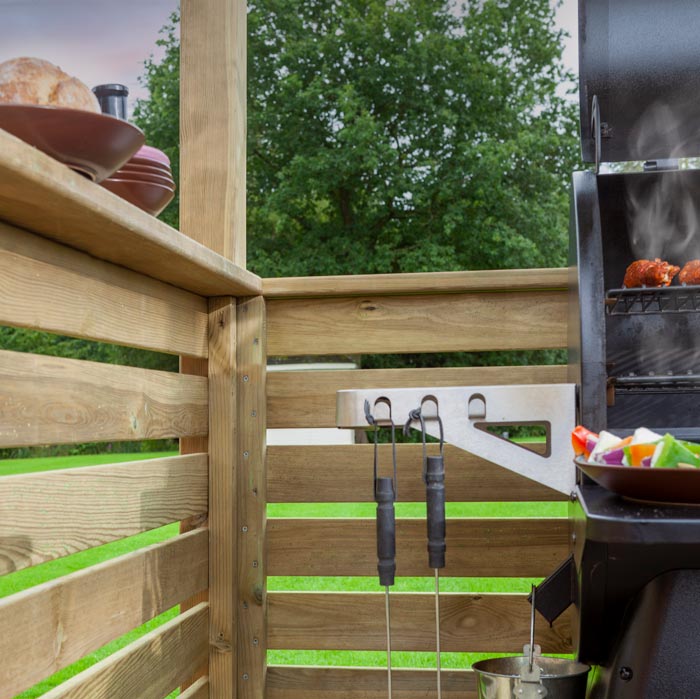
(145, 181)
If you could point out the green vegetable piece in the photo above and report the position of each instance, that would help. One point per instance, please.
(671, 452)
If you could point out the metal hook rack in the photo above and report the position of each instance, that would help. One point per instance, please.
(467, 411)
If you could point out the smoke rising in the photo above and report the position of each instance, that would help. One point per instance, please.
(663, 213)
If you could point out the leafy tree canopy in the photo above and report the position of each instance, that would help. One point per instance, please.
(414, 135)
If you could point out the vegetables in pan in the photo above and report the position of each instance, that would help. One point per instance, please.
(643, 449)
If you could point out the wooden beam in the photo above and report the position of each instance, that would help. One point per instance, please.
(343, 473)
(252, 642)
(476, 547)
(198, 690)
(223, 499)
(213, 125)
(417, 283)
(50, 287)
(194, 445)
(287, 682)
(41, 195)
(52, 514)
(473, 322)
(307, 398)
(59, 622)
(483, 623)
(151, 667)
(48, 400)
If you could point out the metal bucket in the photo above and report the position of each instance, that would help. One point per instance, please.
(500, 678)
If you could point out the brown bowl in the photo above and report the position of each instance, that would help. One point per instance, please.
(126, 173)
(660, 485)
(153, 169)
(148, 196)
(148, 162)
(96, 145)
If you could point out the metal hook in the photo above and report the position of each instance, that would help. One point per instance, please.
(596, 132)
(374, 423)
(416, 415)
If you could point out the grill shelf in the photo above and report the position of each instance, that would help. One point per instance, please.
(639, 301)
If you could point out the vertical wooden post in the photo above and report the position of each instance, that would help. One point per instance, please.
(252, 358)
(213, 124)
(223, 487)
(194, 445)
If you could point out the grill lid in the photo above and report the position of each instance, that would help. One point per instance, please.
(641, 59)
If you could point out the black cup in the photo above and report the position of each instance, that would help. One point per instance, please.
(113, 99)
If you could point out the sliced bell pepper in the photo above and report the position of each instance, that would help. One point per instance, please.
(636, 453)
(583, 441)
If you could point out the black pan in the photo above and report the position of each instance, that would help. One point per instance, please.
(661, 485)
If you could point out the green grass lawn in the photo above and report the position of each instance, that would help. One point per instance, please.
(21, 580)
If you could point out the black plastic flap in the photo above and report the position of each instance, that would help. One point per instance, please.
(641, 58)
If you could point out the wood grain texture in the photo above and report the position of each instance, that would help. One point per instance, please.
(51, 514)
(475, 547)
(285, 682)
(251, 361)
(343, 473)
(48, 400)
(39, 194)
(195, 445)
(50, 287)
(223, 499)
(433, 323)
(213, 125)
(151, 667)
(59, 622)
(198, 690)
(485, 623)
(307, 398)
(416, 283)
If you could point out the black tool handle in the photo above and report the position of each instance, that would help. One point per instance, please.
(385, 496)
(435, 501)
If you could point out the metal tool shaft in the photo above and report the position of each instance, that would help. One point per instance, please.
(435, 506)
(385, 495)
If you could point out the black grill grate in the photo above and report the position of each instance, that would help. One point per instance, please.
(669, 299)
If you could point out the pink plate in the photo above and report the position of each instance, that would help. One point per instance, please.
(663, 485)
(151, 153)
(96, 145)
(126, 173)
(160, 170)
(152, 198)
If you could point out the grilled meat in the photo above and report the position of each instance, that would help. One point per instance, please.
(650, 273)
(690, 274)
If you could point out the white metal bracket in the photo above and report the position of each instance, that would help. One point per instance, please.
(467, 411)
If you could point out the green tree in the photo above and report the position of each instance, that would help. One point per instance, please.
(416, 135)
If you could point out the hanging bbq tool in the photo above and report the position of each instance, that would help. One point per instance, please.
(385, 496)
(434, 479)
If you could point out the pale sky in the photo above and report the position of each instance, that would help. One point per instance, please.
(107, 41)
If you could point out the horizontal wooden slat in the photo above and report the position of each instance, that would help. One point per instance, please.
(285, 682)
(343, 473)
(41, 195)
(61, 621)
(53, 514)
(49, 400)
(148, 668)
(355, 621)
(199, 690)
(417, 283)
(307, 398)
(475, 547)
(435, 323)
(46, 286)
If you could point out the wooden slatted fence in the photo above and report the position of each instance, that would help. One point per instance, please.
(435, 313)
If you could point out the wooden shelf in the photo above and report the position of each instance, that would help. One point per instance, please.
(41, 195)
(418, 283)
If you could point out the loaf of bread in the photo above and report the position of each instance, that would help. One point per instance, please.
(38, 82)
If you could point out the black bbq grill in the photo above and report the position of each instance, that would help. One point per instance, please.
(634, 575)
